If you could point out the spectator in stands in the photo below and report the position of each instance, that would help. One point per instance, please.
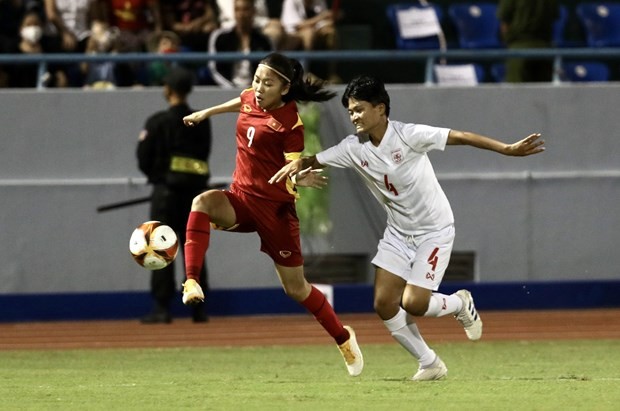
(165, 42)
(71, 21)
(270, 27)
(244, 37)
(136, 21)
(528, 24)
(311, 22)
(32, 41)
(103, 39)
(311, 25)
(192, 20)
(11, 14)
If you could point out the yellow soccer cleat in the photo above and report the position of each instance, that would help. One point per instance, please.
(192, 292)
(352, 354)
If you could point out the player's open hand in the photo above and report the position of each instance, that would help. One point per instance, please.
(531, 144)
(311, 178)
(288, 170)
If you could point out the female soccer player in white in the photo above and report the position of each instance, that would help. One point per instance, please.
(415, 249)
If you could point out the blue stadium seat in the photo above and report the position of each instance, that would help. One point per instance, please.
(476, 24)
(498, 72)
(585, 71)
(601, 23)
(480, 73)
(430, 42)
(558, 28)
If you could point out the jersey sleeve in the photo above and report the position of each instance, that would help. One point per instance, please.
(339, 155)
(294, 143)
(423, 138)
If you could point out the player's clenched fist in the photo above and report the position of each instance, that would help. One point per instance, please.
(194, 118)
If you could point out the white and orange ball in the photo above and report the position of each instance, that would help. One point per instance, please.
(153, 245)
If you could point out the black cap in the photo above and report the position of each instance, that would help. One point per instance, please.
(179, 80)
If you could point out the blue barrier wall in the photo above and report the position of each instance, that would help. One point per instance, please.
(348, 298)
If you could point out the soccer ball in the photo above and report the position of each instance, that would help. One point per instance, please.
(153, 245)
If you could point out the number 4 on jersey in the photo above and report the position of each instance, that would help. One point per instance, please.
(389, 186)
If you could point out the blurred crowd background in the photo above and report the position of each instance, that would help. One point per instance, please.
(212, 26)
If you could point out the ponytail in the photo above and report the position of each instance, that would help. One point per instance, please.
(302, 88)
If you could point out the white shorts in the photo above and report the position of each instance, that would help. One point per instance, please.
(419, 260)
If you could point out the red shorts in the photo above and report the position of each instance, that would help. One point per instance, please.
(275, 222)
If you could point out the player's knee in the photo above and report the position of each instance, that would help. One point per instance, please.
(205, 202)
(415, 306)
(385, 308)
(198, 203)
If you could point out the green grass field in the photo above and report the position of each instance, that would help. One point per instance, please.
(558, 375)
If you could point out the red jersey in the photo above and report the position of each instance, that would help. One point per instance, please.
(266, 141)
(130, 15)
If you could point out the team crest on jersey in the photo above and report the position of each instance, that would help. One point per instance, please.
(274, 124)
(397, 156)
(247, 108)
(285, 253)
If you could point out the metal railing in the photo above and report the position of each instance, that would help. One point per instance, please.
(430, 57)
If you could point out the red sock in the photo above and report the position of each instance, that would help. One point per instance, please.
(196, 243)
(318, 305)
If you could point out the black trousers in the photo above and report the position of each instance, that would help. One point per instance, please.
(171, 206)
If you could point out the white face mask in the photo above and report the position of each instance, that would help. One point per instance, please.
(31, 34)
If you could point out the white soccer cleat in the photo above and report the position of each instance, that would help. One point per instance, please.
(352, 354)
(192, 292)
(468, 316)
(436, 371)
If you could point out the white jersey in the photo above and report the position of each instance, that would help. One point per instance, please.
(399, 174)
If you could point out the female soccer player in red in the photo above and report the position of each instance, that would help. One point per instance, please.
(270, 133)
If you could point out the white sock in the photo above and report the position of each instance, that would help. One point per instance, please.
(441, 304)
(405, 331)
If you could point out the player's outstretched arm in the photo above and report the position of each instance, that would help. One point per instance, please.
(294, 167)
(531, 144)
(231, 106)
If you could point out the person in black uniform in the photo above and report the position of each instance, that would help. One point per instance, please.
(174, 158)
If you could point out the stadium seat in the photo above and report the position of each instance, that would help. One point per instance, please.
(585, 71)
(558, 28)
(476, 24)
(498, 72)
(601, 23)
(405, 40)
(480, 73)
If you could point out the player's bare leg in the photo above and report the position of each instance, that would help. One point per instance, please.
(297, 287)
(391, 292)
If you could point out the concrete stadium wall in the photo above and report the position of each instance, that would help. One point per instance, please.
(552, 217)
